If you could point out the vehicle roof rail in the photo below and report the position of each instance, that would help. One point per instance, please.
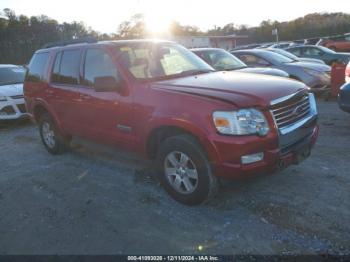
(87, 40)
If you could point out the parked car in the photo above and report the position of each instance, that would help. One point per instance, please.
(282, 45)
(312, 41)
(344, 97)
(315, 76)
(11, 92)
(159, 99)
(250, 46)
(222, 60)
(347, 73)
(337, 44)
(294, 57)
(319, 52)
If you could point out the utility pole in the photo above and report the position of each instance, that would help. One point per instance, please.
(275, 32)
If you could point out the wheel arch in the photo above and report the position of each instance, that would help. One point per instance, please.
(161, 132)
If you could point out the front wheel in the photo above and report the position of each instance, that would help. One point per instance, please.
(184, 170)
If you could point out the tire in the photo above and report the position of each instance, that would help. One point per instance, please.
(175, 180)
(52, 139)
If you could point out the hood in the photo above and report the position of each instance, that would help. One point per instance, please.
(311, 60)
(264, 71)
(313, 66)
(11, 90)
(240, 89)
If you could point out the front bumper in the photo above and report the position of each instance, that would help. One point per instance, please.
(13, 108)
(274, 160)
(283, 145)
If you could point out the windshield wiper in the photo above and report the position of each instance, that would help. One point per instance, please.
(182, 74)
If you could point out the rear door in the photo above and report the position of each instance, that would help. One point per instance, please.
(63, 95)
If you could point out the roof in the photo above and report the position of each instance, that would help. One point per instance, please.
(109, 42)
(204, 49)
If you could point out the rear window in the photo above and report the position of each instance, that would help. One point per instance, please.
(37, 66)
(11, 75)
(66, 67)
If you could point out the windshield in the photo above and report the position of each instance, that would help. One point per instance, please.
(12, 75)
(285, 53)
(221, 59)
(153, 61)
(271, 56)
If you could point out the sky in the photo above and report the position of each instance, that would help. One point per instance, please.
(105, 15)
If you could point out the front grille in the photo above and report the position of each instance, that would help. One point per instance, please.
(291, 110)
(17, 97)
(22, 108)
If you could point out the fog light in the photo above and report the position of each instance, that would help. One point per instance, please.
(248, 159)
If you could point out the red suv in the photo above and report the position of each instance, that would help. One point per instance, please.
(338, 44)
(159, 99)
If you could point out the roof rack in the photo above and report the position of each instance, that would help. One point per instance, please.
(88, 40)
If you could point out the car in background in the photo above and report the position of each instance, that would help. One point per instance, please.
(338, 43)
(12, 104)
(282, 45)
(315, 76)
(312, 41)
(250, 46)
(294, 57)
(319, 52)
(222, 60)
(344, 97)
(347, 73)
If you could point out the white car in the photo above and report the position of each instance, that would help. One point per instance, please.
(12, 104)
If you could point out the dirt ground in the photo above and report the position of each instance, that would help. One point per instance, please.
(98, 200)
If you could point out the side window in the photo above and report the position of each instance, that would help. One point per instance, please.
(312, 51)
(98, 64)
(66, 68)
(56, 68)
(296, 52)
(249, 59)
(37, 66)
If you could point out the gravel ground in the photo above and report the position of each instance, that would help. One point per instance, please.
(98, 200)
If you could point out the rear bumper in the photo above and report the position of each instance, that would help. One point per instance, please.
(274, 160)
(13, 109)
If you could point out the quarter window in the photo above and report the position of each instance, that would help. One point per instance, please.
(98, 64)
(37, 66)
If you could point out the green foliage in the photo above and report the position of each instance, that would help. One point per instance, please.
(20, 35)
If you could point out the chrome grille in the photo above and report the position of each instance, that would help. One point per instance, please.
(291, 110)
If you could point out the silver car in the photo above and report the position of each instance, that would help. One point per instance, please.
(294, 57)
(222, 60)
(315, 76)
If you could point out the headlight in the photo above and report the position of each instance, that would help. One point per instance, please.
(3, 98)
(313, 72)
(242, 122)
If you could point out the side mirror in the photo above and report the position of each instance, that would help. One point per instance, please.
(106, 84)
